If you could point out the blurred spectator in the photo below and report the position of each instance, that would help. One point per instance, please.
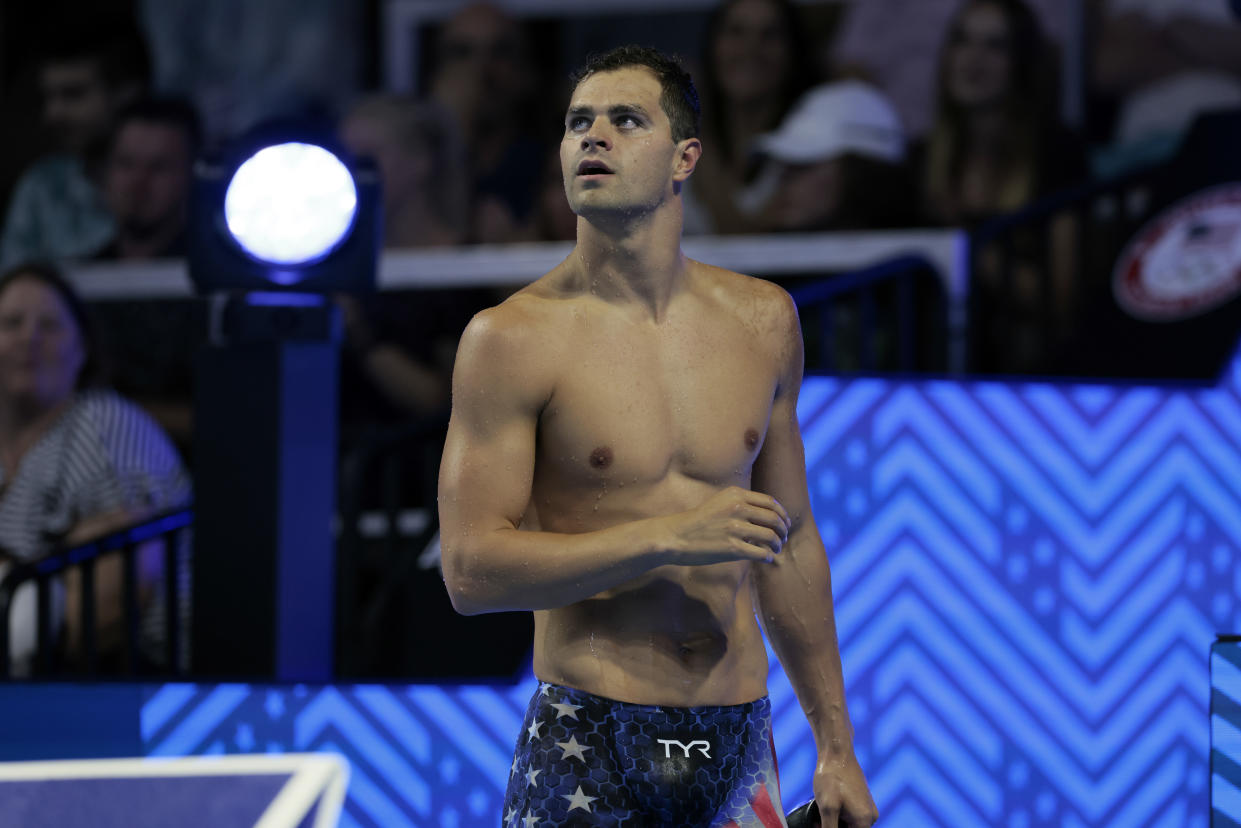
(421, 164)
(755, 66)
(1164, 62)
(996, 143)
(147, 179)
(837, 163)
(484, 76)
(995, 147)
(243, 63)
(895, 43)
(90, 70)
(76, 460)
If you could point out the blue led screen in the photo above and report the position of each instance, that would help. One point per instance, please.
(1028, 579)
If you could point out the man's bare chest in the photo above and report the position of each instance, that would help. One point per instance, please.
(634, 409)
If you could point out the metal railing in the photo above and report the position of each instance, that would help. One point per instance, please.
(892, 331)
(171, 528)
(1037, 269)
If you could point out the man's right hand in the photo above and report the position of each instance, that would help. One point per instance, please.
(732, 525)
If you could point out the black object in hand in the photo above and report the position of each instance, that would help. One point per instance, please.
(806, 815)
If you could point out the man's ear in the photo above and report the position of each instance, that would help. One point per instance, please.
(688, 153)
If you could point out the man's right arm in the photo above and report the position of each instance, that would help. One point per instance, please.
(503, 377)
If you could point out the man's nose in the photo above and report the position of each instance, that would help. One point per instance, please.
(596, 138)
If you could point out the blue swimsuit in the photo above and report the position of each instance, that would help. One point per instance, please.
(586, 760)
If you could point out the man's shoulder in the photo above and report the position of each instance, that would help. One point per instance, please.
(512, 332)
(518, 315)
(748, 295)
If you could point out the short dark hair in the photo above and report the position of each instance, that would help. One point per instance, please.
(114, 43)
(678, 98)
(93, 373)
(173, 112)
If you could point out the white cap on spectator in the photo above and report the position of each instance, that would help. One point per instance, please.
(836, 119)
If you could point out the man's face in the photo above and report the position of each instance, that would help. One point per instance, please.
(148, 176)
(617, 153)
(78, 104)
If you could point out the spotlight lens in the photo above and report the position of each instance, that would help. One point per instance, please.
(290, 203)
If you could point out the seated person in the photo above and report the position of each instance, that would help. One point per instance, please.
(996, 146)
(756, 65)
(147, 179)
(76, 460)
(1161, 63)
(996, 143)
(835, 163)
(421, 164)
(147, 184)
(87, 73)
(482, 73)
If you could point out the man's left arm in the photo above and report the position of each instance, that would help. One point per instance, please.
(794, 596)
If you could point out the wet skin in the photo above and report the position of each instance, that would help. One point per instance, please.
(581, 405)
(624, 457)
(651, 419)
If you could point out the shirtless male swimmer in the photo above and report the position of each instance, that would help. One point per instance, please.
(624, 459)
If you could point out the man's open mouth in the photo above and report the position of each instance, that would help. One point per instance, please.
(590, 167)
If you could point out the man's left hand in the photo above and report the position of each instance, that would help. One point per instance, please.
(841, 793)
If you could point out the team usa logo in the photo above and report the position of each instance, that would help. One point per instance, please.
(1185, 261)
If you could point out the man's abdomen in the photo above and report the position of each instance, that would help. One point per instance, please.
(680, 640)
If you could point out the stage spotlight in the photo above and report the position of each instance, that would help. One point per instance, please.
(280, 212)
(290, 204)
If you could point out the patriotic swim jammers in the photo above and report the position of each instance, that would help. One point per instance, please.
(585, 760)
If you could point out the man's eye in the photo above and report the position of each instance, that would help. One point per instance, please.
(627, 121)
(578, 123)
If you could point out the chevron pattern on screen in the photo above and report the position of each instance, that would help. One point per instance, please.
(1027, 576)
(1226, 735)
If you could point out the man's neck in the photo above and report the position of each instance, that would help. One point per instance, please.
(637, 262)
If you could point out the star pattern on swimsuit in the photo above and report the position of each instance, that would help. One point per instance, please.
(572, 748)
(567, 762)
(577, 799)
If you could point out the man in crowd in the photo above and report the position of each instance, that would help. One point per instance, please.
(87, 74)
(147, 179)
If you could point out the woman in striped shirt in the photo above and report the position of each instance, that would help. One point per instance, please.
(76, 460)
